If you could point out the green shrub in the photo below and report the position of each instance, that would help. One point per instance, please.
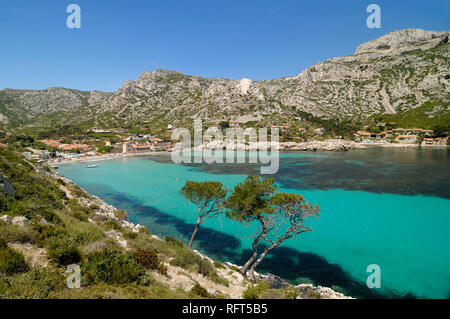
(200, 291)
(3, 243)
(63, 251)
(219, 280)
(44, 232)
(38, 283)
(186, 259)
(112, 267)
(149, 259)
(77, 191)
(218, 264)
(205, 268)
(121, 214)
(191, 261)
(50, 217)
(251, 293)
(290, 292)
(11, 261)
(236, 269)
(93, 208)
(174, 242)
(130, 234)
(311, 294)
(14, 233)
(256, 291)
(112, 224)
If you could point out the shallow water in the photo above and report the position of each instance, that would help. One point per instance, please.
(389, 207)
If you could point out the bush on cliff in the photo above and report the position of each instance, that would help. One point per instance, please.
(63, 251)
(189, 260)
(200, 291)
(112, 267)
(174, 242)
(149, 259)
(38, 283)
(11, 261)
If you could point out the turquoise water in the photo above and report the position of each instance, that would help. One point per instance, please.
(385, 207)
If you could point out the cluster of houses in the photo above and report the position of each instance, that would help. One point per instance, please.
(399, 135)
(65, 147)
(153, 144)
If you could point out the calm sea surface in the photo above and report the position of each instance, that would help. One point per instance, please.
(388, 207)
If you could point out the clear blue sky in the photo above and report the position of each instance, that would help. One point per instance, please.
(212, 38)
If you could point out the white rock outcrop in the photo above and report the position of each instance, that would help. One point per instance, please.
(20, 221)
(324, 292)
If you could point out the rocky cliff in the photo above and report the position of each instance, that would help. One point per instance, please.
(394, 73)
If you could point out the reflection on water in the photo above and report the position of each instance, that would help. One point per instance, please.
(395, 171)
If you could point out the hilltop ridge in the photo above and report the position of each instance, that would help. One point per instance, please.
(395, 73)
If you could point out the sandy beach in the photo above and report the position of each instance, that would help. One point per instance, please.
(100, 157)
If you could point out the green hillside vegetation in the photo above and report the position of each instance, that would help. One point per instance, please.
(109, 271)
(430, 115)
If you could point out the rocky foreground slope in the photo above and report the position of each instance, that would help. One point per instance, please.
(394, 73)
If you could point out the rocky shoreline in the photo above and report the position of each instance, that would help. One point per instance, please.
(313, 145)
(336, 145)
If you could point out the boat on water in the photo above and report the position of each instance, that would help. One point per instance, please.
(91, 166)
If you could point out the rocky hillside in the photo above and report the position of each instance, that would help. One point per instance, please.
(398, 72)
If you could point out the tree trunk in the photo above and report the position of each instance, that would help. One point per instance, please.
(255, 250)
(194, 232)
(265, 252)
(252, 258)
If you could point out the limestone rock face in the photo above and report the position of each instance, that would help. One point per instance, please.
(394, 73)
(402, 40)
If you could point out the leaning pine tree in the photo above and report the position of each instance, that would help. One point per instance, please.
(207, 196)
(281, 216)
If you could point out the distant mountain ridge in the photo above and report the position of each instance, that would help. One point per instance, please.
(395, 73)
